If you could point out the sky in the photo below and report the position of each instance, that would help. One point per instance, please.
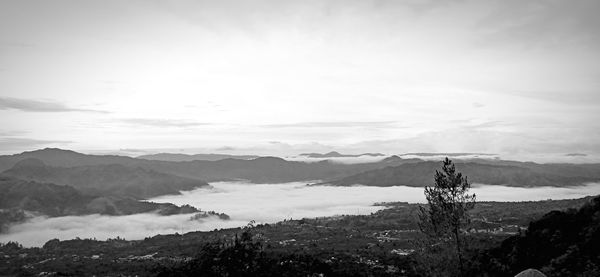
(516, 78)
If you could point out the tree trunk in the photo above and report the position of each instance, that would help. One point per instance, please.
(458, 251)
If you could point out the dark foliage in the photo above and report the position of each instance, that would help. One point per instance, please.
(562, 243)
(246, 256)
(446, 216)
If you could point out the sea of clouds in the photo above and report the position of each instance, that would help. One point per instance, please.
(263, 203)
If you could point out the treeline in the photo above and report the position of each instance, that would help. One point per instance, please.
(245, 255)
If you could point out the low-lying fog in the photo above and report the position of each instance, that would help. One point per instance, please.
(264, 203)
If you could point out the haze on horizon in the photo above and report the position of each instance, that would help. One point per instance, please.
(516, 78)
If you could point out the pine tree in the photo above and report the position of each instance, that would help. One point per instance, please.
(448, 203)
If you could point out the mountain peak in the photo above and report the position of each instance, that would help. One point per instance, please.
(393, 158)
(50, 151)
(269, 158)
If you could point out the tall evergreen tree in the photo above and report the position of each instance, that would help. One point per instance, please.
(448, 203)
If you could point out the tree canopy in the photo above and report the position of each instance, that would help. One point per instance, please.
(448, 200)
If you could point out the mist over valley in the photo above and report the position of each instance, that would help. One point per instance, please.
(299, 138)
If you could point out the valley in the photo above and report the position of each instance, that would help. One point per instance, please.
(78, 214)
(378, 243)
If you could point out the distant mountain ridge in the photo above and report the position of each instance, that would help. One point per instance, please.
(507, 173)
(64, 158)
(105, 180)
(259, 170)
(411, 172)
(427, 154)
(176, 157)
(334, 154)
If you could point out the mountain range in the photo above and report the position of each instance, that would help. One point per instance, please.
(334, 154)
(176, 157)
(426, 154)
(516, 174)
(259, 170)
(129, 174)
(105, 179)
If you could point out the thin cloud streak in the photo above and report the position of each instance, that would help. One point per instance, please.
(19, 143)
(333, 124)
(28, 105)
(11, 133)
(155, 122)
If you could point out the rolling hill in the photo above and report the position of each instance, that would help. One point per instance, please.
(390, 171)
(105, 180)
(48, 199)
(259, 170)
(20, 198)
(511, 174)
(64, 158)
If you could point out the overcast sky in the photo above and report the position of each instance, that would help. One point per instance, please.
(516, 78)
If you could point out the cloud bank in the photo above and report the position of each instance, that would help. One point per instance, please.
(264, 203)
(275, 202)
(39, 230)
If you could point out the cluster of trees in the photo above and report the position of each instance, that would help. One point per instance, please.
(561, 243)
(245, 255)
